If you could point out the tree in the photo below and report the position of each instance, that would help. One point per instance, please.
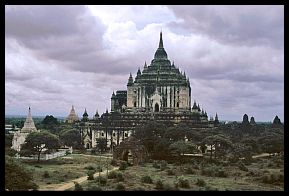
(150, 134)
(181, 147)
(220, 142)
(101, 144)
(71, 138)
(272, 142)
(36, 142)
(50, 123)
(16, 177)
(161, 150)
(8, 144)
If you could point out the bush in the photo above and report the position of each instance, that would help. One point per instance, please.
(90, 175)
(221, 173)
(243, 167)
(156, 165)
(119, 177)
(208, 171)
(123, 165)
(200, 182)
(101, 180)
(163, 165)
(94, 188)
(183, 183)
(113, 162)
(46, 174)
(273, 179)
(90, 167)
(167, 187)
(120, 187)
(147, 179)
(78, 187)
(112, 175)
(190, 171)
(171, 172)
(99, 169)
(159, 185)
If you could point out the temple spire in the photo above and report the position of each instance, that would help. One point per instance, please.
(161, 45)
(29, 125)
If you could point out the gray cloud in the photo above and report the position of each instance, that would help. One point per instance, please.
(233, 24)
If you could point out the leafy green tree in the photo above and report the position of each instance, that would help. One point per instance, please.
(220, 142)
(50, 123)
(71, 138)
(162, 150)
(272, 142)
(8, 144)
(36, 142)
(175, 134)
(16, 177)
(101, 144)
(181, 147)
(150, 134)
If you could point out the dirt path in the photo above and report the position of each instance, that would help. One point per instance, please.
(70, 184)
(261, 155)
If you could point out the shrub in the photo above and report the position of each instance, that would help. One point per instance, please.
(101, 180)
(46, 174)
(113, 162)
(147, 179)
(208, 171)
(159, 185)
(156, 165)
(89, 167)
(112, 175)
(94, 188)
(221, 173)
(78, 187)
(119, 177)
(183, 183)
(99, 168)
(120, 187)
(90, 175)
(170, 172)
(200, 182)
(243, 167)
(163, 165)
(123, 165)
(273, 179)
(167, 187)
(190, 171)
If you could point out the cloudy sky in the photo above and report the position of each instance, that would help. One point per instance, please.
(58, 56)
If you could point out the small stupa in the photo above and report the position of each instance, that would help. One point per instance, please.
(29, 125)
(72, 116)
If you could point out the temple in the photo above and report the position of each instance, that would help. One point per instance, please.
(72, 117)
(20, 136)
(159, 92)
